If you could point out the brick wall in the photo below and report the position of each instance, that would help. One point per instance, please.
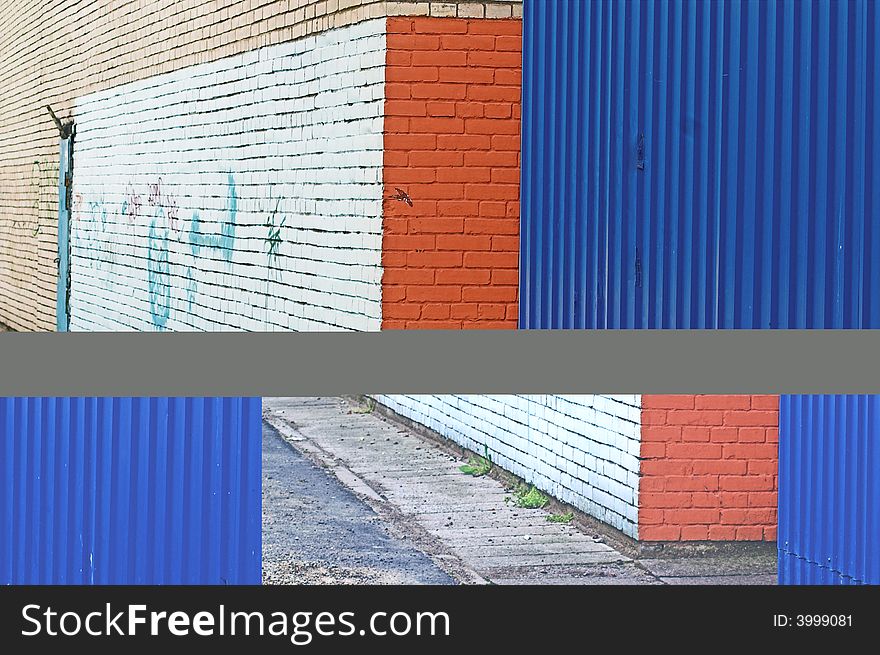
(55, 51)
(244, 193)
(452, 143)
(709, 467)
(659, 468)
(247, 192)
(581, 449)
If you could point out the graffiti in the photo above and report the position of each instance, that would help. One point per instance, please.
(97, 210)
(164, 230)
(87, 235)
(273, 242)
(158, 256)
(42, 192)
(225, 240)
(158, 269)
(158, 272)
(36, 179)
(155, 193)
(131, 206)
(102, 250)
(191, 288)
(273, 239)
(159, 198)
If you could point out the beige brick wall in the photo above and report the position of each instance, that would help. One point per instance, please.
(54, 51)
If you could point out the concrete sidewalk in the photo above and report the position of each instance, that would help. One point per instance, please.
(466, 524)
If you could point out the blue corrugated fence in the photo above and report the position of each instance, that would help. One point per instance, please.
(130, 491)
(829, 490)
(691, 164)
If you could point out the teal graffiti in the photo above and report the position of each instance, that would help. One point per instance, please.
(191, 288)
(158, 272)
(158, 265)
(225, 240)
(87, 234)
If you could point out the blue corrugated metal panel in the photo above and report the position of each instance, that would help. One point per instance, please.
(130, 491)
(700, 165)
(829, 490)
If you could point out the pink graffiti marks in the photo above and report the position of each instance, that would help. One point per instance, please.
(159, 197)
(131, 206)
(155, 193)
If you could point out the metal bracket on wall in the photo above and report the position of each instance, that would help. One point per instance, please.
(65, 130)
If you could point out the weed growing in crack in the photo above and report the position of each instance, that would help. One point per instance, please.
(528, 497)
(561, 518)
(368, 407)
(477, 466)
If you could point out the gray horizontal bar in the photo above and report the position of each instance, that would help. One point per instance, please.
(293, 364)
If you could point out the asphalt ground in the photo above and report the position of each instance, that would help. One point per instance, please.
(317, 531)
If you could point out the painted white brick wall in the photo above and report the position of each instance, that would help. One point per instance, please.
(581, 449)
(242, 194)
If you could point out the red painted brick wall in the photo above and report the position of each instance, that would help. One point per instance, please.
(709, 468)
(452, 131)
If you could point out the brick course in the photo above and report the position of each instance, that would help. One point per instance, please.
(708, 467)
(452, 143)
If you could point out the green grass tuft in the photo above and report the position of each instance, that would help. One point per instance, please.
(529, 497)
(367, 407)
(561, 518)
(477, 466)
